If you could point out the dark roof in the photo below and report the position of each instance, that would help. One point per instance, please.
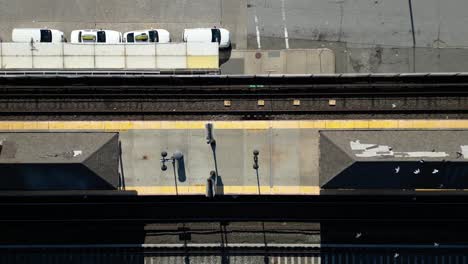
(59, 161)
(394, 159)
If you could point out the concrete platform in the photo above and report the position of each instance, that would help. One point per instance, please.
(288, 160)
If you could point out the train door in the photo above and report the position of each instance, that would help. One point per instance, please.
(101, 36)
(153, 36)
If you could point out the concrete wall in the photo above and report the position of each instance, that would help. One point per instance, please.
(119, 56)
(367, 36)
(292, 61)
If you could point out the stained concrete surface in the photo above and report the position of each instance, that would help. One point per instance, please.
(366, 36)
(281, 161)
(122, 15)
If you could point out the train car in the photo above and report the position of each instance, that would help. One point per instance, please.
(37, 35)
(147, 36)
(92, 36)
(219, 35)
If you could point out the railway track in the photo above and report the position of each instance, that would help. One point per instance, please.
(244, 97)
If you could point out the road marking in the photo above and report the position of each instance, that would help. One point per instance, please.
(283, 13)
(259, 45)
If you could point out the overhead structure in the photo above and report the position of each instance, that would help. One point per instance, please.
(59, 161)
(394, 159)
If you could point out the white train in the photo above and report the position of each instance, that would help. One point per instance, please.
(204, 35)
(104, 36)
(95, 36)
(37, 35)
(147, 36)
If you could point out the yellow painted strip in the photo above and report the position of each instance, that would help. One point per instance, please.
(441, 190)
(250, 125)
(361, 124)
(256, 124)
(383, 124)
(228, 125)
(230, 190)
(339, 124)
(146, 125)
(285, 124)
(202, 62)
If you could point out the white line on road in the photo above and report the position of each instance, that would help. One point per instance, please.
(283, 13)
(259, 45)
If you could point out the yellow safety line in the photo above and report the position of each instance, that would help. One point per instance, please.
(244, 190)
(231, 190)
(440, 190)
(250, 125)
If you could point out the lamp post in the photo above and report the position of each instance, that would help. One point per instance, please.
(212, 181)
(255, 166)
(177, 156)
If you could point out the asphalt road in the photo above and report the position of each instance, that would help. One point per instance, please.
(358, 22)
(366, 35)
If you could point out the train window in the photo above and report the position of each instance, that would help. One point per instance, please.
(130, 37)
(88, 38)
(79, 37)
(215, 35)
(153, 36)
(46, 35)
(101, 36)
(141, 38)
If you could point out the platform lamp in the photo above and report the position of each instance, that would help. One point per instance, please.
(212, 181)
(255, 167)
(177, 156)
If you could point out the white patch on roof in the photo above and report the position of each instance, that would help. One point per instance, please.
(357, 145)
(464, 150)
(375, 150)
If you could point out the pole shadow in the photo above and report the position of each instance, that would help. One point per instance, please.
(181, 170)
(218, 181)
(122, 174)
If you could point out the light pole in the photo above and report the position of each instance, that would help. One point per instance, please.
(255, 166)
(177, 156)
(212, 181)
